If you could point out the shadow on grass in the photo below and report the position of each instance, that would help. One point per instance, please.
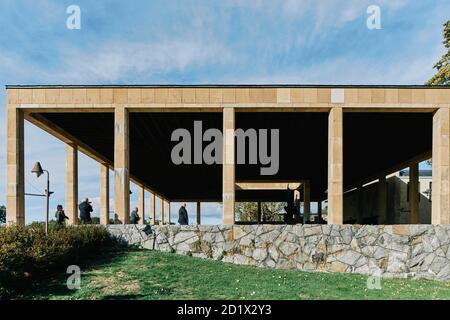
(125, 297)
(55, 283)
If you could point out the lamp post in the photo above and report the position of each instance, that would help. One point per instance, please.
(37, 169)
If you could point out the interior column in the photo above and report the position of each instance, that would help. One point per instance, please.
(198, 212)
(161, 211)
(142, 204)
(307, 201)
(414, 193)
(167, 211)
(152, 215)
(104, 194)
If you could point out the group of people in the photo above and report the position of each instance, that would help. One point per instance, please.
(85, 209)
(183, 218)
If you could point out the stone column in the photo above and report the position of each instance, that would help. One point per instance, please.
(161, 211)
(440, 210)
(335, 166)
(15, 192)
(104, 194)
(142, 204)
(167, 211)
(228, 196)
(382, 200)
(152, 215)
(198, 212)
(121, 164)
(414, 193)
(72, 183)
(307, 201)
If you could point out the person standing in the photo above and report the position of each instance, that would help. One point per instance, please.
(85, 211)
(183, 218)
(60, 215)
(134, 217)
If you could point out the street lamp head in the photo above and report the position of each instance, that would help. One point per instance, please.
(37, 169)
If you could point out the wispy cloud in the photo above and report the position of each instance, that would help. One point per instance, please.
(233, 41)
(111, 62)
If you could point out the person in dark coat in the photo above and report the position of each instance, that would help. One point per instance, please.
(134, 217)
(183, 218)
(85, 211)
(60, 215)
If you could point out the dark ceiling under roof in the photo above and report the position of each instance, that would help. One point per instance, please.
(373, 142)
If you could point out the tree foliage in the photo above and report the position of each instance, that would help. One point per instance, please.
(442, 76)
(271, 211)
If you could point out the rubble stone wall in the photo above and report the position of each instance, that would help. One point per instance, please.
(416, 251)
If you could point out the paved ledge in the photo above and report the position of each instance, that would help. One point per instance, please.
(392, 251)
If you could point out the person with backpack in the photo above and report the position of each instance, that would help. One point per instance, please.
(60, 215)
(183, 218)
(85, 211)
(134, 217)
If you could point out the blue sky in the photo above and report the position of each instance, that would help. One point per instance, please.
(198, 42)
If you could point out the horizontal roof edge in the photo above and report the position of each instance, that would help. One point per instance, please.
(227, 86)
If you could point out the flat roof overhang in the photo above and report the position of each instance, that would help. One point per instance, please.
(386, 128)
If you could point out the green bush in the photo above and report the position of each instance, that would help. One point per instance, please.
(26, 253)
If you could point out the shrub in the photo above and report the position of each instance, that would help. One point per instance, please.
(27, 253)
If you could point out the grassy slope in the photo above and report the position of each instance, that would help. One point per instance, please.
(156, 275)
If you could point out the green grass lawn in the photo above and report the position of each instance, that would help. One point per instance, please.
(142, 274)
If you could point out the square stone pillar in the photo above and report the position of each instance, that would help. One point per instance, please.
(382, 200)
(198, 212)
(167, 211)
(152, 215)
(15, 192)
(307, 200)
(440, 196)
(121, 164)
(161, 211)
(104, 194)
(414, 193)
(228, 173)
(142, 204)
(335, 166)
(71, 209)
